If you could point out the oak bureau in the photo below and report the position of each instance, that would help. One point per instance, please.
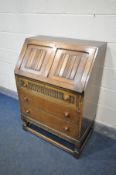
(58, 83)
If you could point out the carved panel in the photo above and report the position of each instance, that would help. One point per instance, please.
(47, 91)
(68, 66)
(36, 59)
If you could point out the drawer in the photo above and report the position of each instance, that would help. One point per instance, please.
(62, 112)
(48, 91)
(51, 121)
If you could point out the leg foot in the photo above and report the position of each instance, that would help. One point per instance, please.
(25, 124)
(76, 153)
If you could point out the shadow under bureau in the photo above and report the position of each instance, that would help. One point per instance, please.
(58, 83)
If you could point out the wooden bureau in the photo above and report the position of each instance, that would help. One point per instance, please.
(58, 82)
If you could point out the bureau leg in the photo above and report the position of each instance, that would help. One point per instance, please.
(78, 149)
(25, 124)
(76, 153)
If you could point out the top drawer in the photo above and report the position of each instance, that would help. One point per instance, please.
(53, 93)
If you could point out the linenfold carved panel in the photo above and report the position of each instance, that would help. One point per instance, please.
(68, 65)
(36, 59)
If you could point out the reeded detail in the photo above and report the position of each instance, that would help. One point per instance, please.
(35, 59)
(69, 66)
(47, 91)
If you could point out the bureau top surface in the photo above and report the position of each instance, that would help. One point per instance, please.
(62, 62)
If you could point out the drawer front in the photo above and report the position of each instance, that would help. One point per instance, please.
(62, 112)
(52, 93)
(51, 121)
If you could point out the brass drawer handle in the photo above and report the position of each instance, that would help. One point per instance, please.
(66, 114)
(66, 97)
(26, 99)
(66, 128)
(27, 111)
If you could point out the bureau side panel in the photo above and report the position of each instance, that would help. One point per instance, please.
(92, 90)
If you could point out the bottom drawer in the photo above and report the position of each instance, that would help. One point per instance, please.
(52, 122)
